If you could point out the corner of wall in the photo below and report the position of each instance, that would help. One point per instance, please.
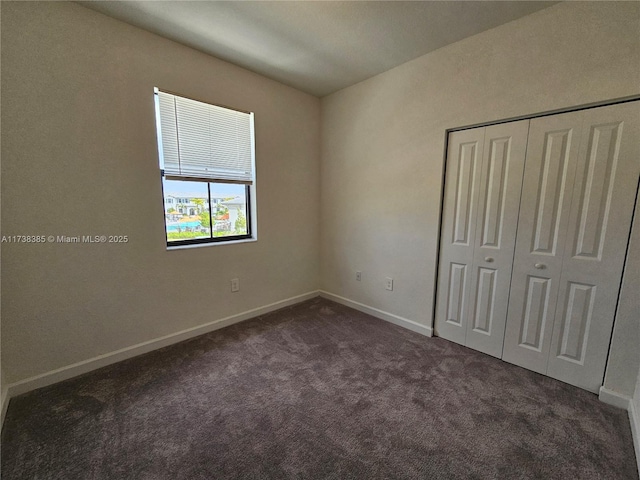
(381, 314)
(623, 364)
(4, 403)
(619, 400)
(613, 398)
(634, 419)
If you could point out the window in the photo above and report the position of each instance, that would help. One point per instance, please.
(206, 156)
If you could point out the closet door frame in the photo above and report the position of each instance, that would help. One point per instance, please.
(447, 132)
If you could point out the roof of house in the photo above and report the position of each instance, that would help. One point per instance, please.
(235, 201)
(190, 196)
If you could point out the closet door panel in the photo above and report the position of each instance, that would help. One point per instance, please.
(604, 194)
(549, 172)
(498, 205)
(464, 164)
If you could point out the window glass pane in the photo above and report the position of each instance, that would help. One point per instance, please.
(186, 210)
(229, 209)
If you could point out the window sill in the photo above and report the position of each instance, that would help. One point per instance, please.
(211, 244)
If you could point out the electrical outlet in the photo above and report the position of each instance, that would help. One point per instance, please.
(358, 276)
(235, 285)
(388, 283)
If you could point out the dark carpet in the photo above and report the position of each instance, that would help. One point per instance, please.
(316, 390)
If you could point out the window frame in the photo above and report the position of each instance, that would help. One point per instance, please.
(211, 238)
(250, 189)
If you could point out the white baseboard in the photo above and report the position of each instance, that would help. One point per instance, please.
(614, 398)
(634, 419)
(100, 361)
(622, 401)
(374, 312)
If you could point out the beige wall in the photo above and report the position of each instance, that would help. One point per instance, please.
(624, 355)
(636, 419)
(79, 157)
(636, 398)
(383, 143)
(626, 337)
(636, 402)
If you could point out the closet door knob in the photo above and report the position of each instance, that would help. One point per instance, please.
(488, 259)
(540, 266)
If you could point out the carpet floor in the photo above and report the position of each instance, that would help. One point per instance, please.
(314, 391)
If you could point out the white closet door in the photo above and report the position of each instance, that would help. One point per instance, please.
(464, 163)
(498, 205)
(550, 166)
(599, 223)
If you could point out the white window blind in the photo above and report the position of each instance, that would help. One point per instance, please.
(205, 142)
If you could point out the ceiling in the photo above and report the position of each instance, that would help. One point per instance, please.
(318, 47)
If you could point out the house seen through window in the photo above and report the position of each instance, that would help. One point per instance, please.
(206, 155)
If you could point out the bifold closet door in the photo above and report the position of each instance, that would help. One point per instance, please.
(604, 194)
(482, 195)
(463, 166)
(498, 205)
(580, 183)
(550, 168)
